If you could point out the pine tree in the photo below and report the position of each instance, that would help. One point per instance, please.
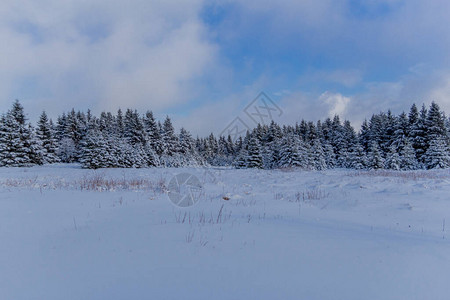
(418, 132)
(187, 149)
(74, 128)
(133, 128)
(240, 161)
(61, 124)
(152, 132)
(287, 151)
(376, 130)
(413, 117)
(318, 156)
(393, 160)
(169, 140)
(45, 134)
(66, 150)
(94, 151)
(435, 123)
(254, 158)
(301, 155)
(401, 130)
(408, 156)
(437, 155)
(436, 133)
(267, 157)
(388, 129)
(119, 124)
(271, 155)
(330, 156)
(18, 146)
(348, 134)
(357, 157)
(375, 159)
(343, 158)
(364, 136)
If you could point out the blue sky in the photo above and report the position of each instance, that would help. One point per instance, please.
(202, 62)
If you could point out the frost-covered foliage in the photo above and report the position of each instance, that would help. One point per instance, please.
(418, 140)
(18, 144)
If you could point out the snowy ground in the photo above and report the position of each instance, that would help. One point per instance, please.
(69, 233)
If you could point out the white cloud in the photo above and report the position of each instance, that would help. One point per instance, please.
(155, 54)
(102, 54)
(336, 102)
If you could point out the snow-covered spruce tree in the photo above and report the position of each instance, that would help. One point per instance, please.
(267, 157)
(408, 156)
(437, 155)
(330, 156)
(70, 130)
(231, 146)
(435, 123)
(238, 145)
(429, 131)
(18, 146)
(213, 147)
(318, 155)
(134, 153)
(389, 127)
(375, 159)
(75, 130)
(187, 151)
(418, 135)
(401, 130)
(343, 158)
(46, 136)
(152, 132)
(302, 155)
(151, 157)
(337, 135)
(66, 150)
(287, 151)
(133, 128)
(254, 157)
(294, 152)
(349, 134)
(311, 134)
(364, 136)
(60, 127)
(307, 155)
(202, 148)
(119, 126)
(436, 130)
(393, 160)
(320, 134)
(240, 160)
(271, 153)
(34, 147)
(222, 157)
(170, 142)
(95, 151)
(376, 130)
(357, 157)
(169, 145)
(413, 117)
(122, 153)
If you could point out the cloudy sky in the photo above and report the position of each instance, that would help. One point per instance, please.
(202, 62)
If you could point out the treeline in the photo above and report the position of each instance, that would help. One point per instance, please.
(417, 140)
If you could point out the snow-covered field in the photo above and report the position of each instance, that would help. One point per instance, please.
(69, 233)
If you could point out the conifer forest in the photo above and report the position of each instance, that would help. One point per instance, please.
(419, 139)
